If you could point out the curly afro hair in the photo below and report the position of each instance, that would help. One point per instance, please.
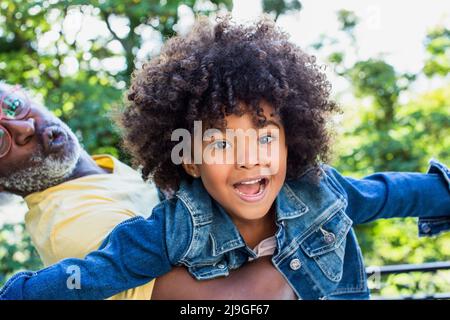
(207, 75)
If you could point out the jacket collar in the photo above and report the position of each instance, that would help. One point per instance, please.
(225, 236)
(204, 210)
(288, 204)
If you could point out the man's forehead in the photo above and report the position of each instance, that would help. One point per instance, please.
(13, 92)
(4, 86)
(17, 92)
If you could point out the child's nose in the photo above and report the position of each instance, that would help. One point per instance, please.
(21, 130)
(248, 158)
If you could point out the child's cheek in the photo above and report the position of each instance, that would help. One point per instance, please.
(278, 162)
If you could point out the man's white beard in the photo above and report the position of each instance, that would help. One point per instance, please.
(44, 171)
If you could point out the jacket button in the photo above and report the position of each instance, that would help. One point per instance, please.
(295, 264)
(329, 238)
(221, 266)
(425, 228)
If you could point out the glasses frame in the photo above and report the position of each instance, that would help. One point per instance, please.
(23, 115)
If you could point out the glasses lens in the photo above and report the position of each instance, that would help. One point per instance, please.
(5, 142)
(13, 107)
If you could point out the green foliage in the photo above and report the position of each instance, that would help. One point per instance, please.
(280, 7)
(16, 252)
(438, 49)
(347, 20)
(377, 79)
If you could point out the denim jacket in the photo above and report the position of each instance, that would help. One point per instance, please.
(317, 250)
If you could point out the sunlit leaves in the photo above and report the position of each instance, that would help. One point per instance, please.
(438, 49)
(280, 7)
(16, 251)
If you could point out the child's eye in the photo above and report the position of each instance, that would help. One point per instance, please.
(221, 145)
(266, 139)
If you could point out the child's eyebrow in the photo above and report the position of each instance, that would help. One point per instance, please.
(267, 123)
(273, 122)
(223, 130)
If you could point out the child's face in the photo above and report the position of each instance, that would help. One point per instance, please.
(246, 186)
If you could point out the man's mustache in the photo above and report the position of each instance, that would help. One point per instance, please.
(52, 137)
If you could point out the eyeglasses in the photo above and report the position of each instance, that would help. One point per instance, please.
(11, 108)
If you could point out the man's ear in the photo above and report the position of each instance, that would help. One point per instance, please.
(192, 169)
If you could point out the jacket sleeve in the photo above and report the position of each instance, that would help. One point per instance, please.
(432, 226)
(397, 194)
(133, 254)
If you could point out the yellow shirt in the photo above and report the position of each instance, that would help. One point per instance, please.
(73, 218)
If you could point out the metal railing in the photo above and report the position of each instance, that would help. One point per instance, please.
(376, 272)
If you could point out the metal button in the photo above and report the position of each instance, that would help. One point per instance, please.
(221, 266)
(425, 228)
(295, 264)
(329, 237)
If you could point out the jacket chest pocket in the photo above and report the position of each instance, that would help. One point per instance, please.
(326, 245)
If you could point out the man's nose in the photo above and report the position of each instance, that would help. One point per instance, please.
(21, 130)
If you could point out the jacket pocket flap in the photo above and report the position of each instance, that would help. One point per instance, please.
(204, 272)
(328, 236)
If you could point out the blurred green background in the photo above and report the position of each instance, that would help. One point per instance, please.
(81, 77)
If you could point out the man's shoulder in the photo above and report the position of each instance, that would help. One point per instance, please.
(73, 217)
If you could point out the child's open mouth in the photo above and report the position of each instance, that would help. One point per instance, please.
(252, 190)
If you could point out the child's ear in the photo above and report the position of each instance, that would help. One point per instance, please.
(192, 169)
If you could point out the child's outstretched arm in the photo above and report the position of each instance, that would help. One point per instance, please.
(398, 194)
(133, 254)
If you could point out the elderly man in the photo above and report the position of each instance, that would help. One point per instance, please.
(75, 200)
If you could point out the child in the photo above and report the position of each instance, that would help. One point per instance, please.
(283, 202)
